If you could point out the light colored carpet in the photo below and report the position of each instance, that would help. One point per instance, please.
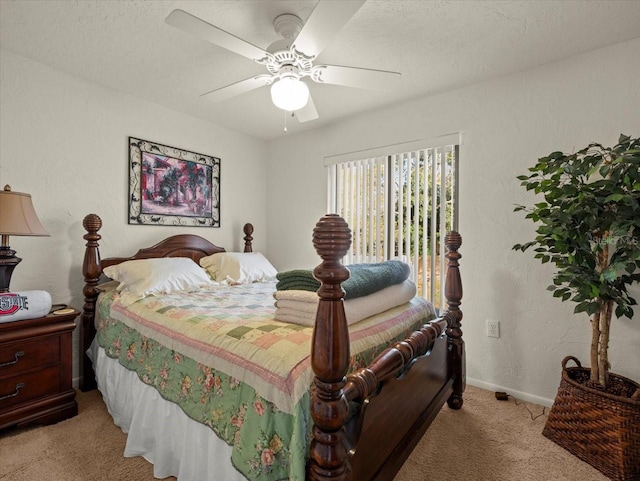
(487, 440)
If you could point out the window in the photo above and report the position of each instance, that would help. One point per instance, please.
(400, 206)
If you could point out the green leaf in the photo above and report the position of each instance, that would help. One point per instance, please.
(604, 170)
(614, 198)
(582, 307)
(593, 308)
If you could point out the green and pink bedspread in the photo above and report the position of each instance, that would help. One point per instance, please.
(223, 358)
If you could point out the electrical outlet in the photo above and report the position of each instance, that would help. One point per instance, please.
(493, 328)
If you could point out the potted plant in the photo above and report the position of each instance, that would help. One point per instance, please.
(588, 226)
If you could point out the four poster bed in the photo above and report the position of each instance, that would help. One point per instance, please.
(228, 412)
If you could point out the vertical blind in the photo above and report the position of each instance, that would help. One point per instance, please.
(400, 206)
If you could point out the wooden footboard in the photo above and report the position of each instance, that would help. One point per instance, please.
(358, 433)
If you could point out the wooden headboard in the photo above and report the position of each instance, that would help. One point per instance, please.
(181, 245)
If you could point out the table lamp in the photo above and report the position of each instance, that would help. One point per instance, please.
(17, 217)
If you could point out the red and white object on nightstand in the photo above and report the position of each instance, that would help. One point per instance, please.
(15, 306)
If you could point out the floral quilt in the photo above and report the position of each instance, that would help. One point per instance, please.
(229, 364)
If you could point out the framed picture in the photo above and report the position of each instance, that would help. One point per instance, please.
(171, 186)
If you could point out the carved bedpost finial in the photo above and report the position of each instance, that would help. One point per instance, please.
(92, 223)
(330, 353)
(248, 231)
(453, 293)
(91, 270)
(91, 265)
(331, 239)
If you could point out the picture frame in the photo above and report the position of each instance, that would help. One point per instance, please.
(172, 186)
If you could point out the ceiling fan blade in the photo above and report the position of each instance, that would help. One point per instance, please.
(325, 22)
(308, 112)
(195, 26)
(356, 77)
(238, 88)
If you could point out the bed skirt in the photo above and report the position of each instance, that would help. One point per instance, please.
(178, 446)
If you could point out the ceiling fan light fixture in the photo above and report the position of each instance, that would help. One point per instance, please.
(289, 93)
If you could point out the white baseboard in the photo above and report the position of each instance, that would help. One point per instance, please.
(522, 396)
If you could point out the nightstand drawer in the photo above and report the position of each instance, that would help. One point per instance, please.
(24, 387)
(21, 356)
(36, 369)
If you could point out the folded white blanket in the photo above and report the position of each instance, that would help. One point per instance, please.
(300, 296)
(299, 307)
(308, 307)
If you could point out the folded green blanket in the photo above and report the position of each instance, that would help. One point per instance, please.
(364, 279)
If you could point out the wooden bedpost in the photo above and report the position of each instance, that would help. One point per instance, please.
(453, 293)
(330, 354)
(248, 231)
(91, 270)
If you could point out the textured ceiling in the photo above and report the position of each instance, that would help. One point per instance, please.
(437, 45)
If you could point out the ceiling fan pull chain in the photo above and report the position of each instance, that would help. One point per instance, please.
(285, 121)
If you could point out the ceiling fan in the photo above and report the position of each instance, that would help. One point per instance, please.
(290, 59)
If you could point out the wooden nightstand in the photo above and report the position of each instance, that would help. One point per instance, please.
(36, 370)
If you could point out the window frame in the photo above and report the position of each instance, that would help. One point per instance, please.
(396, 160)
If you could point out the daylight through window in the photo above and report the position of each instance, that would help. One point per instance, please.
(400, 206)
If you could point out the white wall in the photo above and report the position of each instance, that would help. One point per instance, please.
(507, 124)
(65, 142)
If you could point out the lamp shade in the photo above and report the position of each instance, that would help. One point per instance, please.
(17, 215)
(289, 93)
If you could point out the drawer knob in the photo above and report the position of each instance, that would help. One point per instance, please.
(17, 391)
(16, 358)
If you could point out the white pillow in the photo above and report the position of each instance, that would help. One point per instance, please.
(146, 277)
(239, 267)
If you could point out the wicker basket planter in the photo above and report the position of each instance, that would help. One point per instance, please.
(599, 428)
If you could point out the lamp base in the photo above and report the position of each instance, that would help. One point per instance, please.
(8, 262)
